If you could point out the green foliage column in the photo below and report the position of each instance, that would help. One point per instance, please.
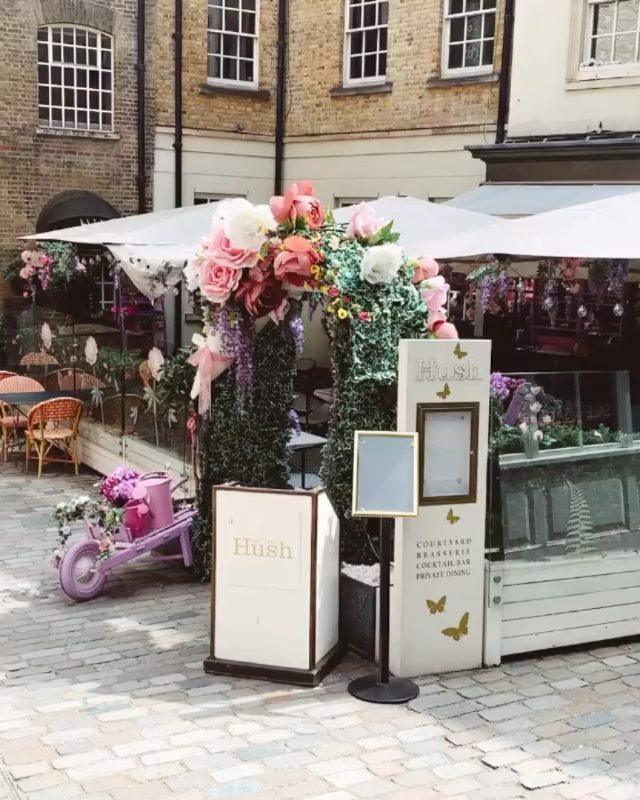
(246, 435)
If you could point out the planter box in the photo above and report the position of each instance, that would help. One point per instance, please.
(275, 585)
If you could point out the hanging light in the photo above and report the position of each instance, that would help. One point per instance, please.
(582, 311)
(618, 310)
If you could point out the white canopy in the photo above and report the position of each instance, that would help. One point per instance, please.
(163, 241)
(420, 223)
(601, 229)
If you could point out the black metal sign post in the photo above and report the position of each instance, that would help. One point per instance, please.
(383, 688)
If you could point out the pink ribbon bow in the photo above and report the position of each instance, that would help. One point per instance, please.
(210, 365)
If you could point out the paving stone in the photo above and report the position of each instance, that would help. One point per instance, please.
(592, 719)
(538, 780)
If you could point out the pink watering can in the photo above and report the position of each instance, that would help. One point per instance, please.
(155, 489)
(136, 518)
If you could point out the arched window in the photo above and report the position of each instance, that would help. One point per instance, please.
(75, 78)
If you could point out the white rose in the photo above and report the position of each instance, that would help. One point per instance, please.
(245, 225)
(381, 264)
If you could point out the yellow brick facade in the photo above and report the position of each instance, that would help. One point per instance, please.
(417, 102)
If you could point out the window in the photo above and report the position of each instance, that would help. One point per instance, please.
(345, 202)
(232, 42)
(106, 284)
(469, 36)
(612, 33)
(366, 33)
(202, 198)
(75, 78)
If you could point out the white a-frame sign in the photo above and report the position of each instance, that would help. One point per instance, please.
(437, 608)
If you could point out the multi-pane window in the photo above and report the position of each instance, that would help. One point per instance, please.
(107, 286)
(232, 42)
(612, 33)
(75, 78)
(366, 35)
(469, 36)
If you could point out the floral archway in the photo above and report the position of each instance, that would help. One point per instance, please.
(251, 276)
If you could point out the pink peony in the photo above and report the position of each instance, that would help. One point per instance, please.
(293, 264)
(427, 268)
(434, 292)
(364, 223)
(219, 249)
(217, 282)
(298, 202)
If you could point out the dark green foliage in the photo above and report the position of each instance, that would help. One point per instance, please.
(245, 440)
(364, 358)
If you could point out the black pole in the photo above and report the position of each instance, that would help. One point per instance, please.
(142, 129)
(505, 70)
(385, 590)
(281, 81)
(382, 688)
(177, 144)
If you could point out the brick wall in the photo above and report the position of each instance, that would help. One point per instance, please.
(415, 103)
(37, 164)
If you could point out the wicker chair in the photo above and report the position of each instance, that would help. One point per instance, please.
(51, 425)
(38, 360)
(4, 373)
(11, 420)
(82, 380)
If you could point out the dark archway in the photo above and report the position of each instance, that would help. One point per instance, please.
(72, 207)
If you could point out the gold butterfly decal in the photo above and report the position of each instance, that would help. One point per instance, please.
(451, 517)
(445, 392)
(437, 607)
(459, 352)
(462, 630)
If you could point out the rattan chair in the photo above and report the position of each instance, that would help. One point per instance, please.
(4, 373)
(11, 420)
(53, 425)
(67, 381)
(38, 360)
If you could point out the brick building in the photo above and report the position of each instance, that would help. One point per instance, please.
(381, 96)
(69, 114)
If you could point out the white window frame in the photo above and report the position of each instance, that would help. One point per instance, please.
(253, 84)
(453, 72)
(345, 202)
(75, 65)
(107, 284)
(587, 71)
(375, 80)
(202, 198)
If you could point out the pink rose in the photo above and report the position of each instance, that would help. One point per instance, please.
(434, 292)
(217, 282)
(218, 248)
(364, 222)
(26, 273)
(293, 264)
(427, 268)
(298, 202)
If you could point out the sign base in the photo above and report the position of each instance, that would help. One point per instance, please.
(394, 691)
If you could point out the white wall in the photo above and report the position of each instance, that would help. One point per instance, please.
(549, 92)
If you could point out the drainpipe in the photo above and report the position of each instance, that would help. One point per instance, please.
(177, 144)
(281, 80)
(142, 131)
(505, 70)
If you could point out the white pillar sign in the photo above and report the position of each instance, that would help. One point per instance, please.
(437, 606)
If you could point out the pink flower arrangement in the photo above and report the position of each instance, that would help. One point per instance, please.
(364, 223)
(426, 268)
(217, 282)
(220, 251)
(117, 488)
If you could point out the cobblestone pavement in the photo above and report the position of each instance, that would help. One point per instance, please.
(108, 701)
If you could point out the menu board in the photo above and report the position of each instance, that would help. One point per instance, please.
(448, 452)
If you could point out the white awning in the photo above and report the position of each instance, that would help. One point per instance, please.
(602, 229)
(420, 222)
(525, 199)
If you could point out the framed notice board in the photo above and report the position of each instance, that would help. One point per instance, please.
(385, 474)
(448, 452)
